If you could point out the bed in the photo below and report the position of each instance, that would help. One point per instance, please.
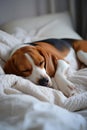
(26, 106)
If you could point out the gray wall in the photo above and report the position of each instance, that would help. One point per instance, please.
(15, 9)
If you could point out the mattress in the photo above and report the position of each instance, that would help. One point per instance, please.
(26, 106)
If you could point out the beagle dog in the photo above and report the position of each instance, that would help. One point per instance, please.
(44, 60)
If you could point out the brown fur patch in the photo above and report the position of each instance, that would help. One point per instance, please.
(80, 45)
(43, 54)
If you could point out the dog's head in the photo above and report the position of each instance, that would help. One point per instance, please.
(32, 62)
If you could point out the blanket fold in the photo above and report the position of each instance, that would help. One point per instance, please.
(12, 84)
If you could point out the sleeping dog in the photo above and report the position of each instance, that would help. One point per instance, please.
(48, 59)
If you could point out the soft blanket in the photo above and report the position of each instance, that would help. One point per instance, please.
(18, 87)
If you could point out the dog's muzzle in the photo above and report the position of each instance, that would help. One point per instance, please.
(44, 82)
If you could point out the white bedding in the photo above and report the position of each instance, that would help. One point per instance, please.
(25, 106)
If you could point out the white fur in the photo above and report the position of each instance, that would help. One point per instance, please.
(37, 72)
(64, 68)
(62, 83)
(72, 59)
(60, 78)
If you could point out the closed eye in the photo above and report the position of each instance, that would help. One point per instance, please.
(27, 70)
(41, 63)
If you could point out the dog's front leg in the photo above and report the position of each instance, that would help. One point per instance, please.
(63, 83)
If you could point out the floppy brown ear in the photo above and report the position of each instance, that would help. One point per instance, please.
(9, 66)
(51, 65)
(50, 62)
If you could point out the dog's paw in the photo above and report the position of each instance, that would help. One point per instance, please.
(70, 89)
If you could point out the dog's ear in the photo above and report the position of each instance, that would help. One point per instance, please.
(50, 61)
(9, 66)
(51, 65)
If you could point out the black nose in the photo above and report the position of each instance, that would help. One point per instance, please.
(43, 82)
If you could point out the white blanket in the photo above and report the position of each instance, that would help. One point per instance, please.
(20, 99)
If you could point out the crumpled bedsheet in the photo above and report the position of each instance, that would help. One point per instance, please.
(19, 94)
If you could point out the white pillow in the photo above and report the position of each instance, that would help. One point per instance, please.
(48, 26)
